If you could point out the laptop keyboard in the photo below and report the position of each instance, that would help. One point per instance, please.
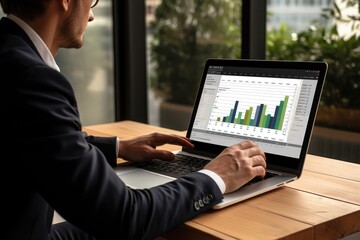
(184, 164)
(180, 166)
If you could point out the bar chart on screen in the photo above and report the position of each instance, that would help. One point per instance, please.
(255, 107)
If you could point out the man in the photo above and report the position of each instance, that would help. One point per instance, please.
(51, 164)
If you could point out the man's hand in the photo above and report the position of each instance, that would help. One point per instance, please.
(238, 164)
(144, 147)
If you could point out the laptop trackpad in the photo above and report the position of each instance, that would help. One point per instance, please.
(143, 179)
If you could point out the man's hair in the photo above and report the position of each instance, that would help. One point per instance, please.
(27, 9)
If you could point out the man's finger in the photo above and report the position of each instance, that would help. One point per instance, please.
(259, 171)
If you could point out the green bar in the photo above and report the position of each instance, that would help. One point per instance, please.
(277, 123)
(238, 120)
(249, 116)
(249, 119)
(251, 122)
(283, 112)
(263, 117)
(227, 119)
(246, 117)
(267, 121)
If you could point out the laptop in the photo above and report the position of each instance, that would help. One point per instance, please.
(273, 103)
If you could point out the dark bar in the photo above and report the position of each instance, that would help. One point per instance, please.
(273, 119)
(234, 112)
(259, 110)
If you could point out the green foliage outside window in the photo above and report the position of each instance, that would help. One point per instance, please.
(186, 33)
(340, 102)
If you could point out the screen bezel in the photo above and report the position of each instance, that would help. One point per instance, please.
(275, 162)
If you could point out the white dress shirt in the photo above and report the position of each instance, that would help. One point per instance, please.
(38, 42)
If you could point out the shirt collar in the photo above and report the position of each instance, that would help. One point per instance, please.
(38, 42)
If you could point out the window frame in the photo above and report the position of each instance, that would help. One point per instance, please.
(130, 60)
(130, 66)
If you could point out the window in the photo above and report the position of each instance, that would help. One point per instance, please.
(181, 35)
(90, 69)
(296, 30)
(336, 40)
(322, 39)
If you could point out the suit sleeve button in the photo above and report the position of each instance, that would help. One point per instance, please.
(196, 206)
(201, 203)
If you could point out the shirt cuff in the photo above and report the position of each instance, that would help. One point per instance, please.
(216, 178)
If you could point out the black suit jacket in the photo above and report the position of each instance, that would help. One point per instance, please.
(50, 164)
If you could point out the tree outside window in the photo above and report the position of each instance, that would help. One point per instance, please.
(340, 102)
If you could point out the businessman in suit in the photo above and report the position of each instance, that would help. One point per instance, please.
(52, 164)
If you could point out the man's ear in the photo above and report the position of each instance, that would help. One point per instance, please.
(65, 4)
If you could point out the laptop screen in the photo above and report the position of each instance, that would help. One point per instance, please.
(271, 103)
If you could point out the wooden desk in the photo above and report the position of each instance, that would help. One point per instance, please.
(323, 204)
